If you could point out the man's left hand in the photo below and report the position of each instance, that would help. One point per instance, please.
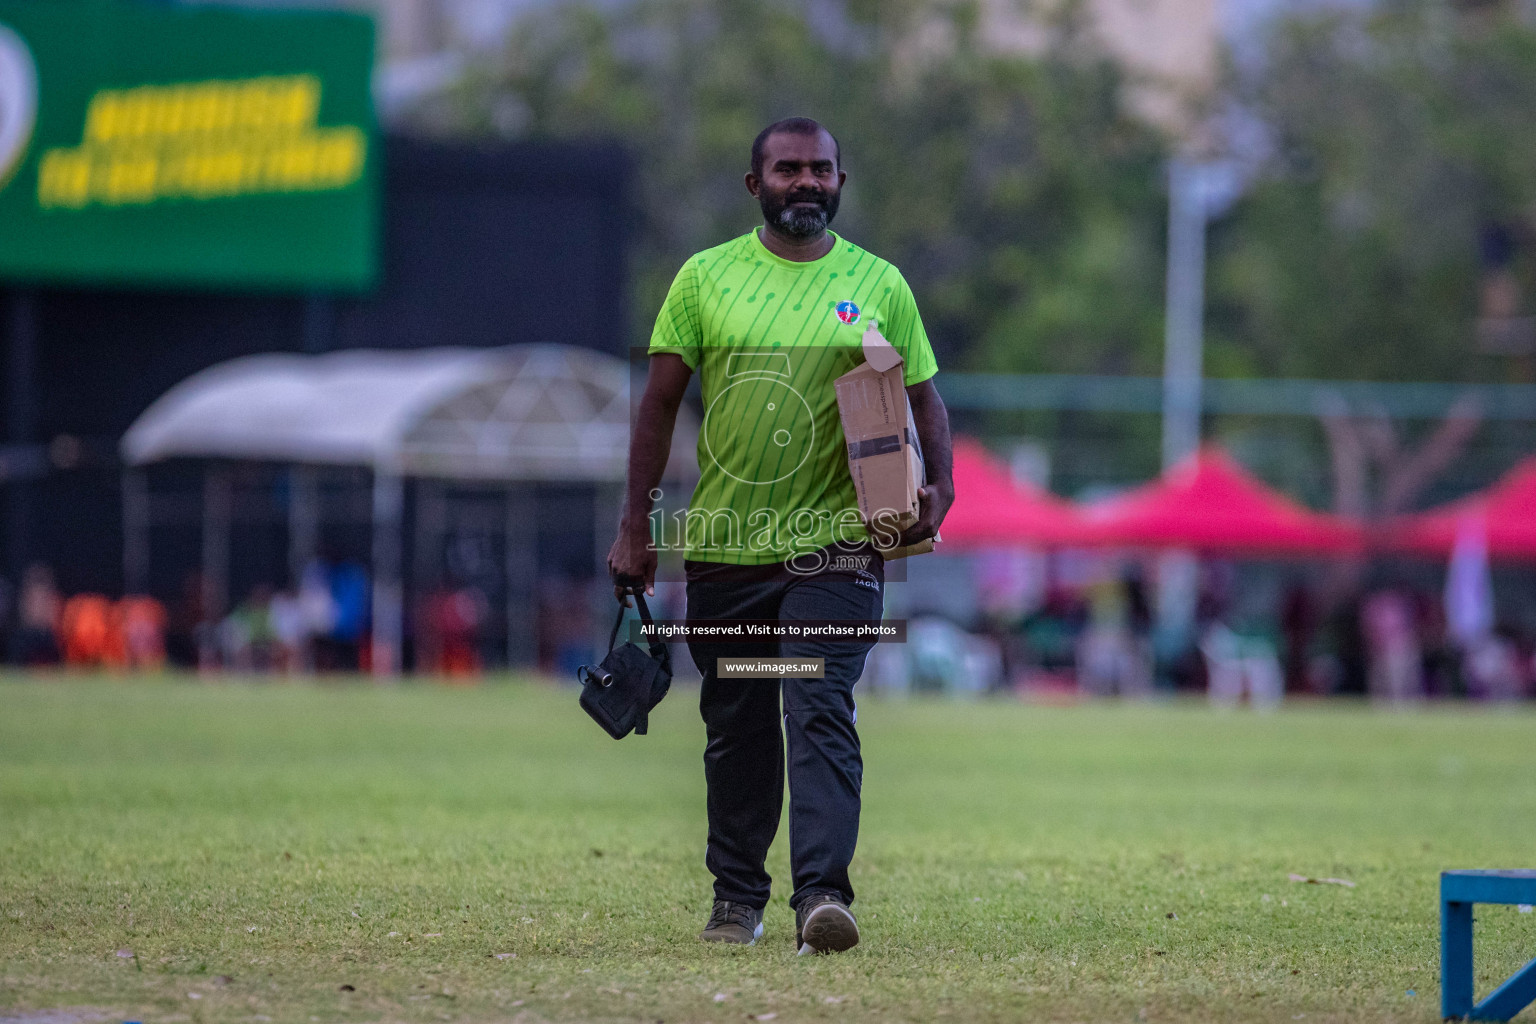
(933, 503)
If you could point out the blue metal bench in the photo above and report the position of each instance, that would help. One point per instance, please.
(1458, 891)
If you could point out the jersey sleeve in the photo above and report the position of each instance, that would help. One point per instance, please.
(677, 325)
(903, 328)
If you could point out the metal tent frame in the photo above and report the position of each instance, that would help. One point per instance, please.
(509, 415)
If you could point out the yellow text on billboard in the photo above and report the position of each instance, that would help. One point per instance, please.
(200, 141)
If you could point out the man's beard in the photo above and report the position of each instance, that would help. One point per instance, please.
(800, 221)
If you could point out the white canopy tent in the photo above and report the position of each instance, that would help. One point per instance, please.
(515, 414)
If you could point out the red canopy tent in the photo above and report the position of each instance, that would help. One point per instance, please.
(1507, 512)
(1210, 503)
(991, 509)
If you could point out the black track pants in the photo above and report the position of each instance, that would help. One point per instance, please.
(744, 757)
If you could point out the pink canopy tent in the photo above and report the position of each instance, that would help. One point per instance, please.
(1210, 503)
(1506, 512)
(993, 510)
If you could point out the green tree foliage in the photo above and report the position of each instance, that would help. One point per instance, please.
(1027, 205)
(1018, 196)
(1400, 137)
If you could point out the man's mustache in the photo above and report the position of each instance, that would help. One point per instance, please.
(819, 198)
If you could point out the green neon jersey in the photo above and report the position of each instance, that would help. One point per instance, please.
(768, 336)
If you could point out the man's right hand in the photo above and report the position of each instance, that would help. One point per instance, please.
(632, 559)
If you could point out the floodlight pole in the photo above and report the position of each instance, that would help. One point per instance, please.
(218, 516)
(1183, 356)
(1183, 341)
(388, 595)
(303, 519)
(522, 564)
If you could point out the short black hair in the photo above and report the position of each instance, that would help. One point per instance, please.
(791, 126)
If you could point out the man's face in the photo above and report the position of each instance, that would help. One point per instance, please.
(801, 183)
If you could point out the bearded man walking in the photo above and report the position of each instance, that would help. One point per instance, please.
(769, 320)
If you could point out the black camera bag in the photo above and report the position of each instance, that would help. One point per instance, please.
(620, 693)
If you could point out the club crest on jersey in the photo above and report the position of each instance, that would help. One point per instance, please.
(847, 312)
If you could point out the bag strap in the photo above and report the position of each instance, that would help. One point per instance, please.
(657, 648)
(613, 637)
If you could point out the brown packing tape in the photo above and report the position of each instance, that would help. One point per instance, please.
(882, 445)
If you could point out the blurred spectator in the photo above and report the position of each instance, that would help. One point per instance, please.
(1490, 665)
(1009, 585)
(343, 648)
(1342, 670)
(1395, 661)
(334, 596)
(938, 657)
(1441, 659)
(427, 635)
(317, 610)
(1494, 669)
(1298, 621)
(1001, 630)
(246, 641)
(449, 632)
(1239, 658)
(290, 631)
(1049, 638)
(36, 639)
(184, 624)
(1236, 665)
(86, 632)
(565, 640)
(1114, 653)
(7, 616)
(885, 670)
(141, 624)
(943, 658)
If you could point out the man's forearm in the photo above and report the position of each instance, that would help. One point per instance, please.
(932, 421)
(650, 446)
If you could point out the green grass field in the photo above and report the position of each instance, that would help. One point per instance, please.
(341, 852)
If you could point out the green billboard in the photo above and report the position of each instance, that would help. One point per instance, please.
(165, 146)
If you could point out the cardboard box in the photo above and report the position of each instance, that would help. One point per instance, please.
(884, 455)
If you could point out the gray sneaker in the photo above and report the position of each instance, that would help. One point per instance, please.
(733, 922)
(824, 924)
